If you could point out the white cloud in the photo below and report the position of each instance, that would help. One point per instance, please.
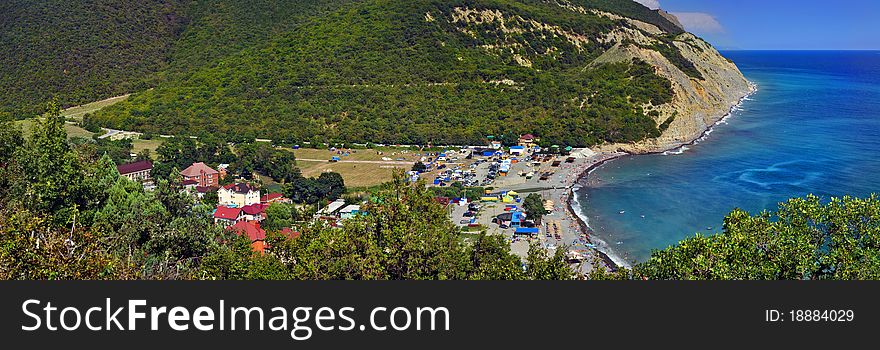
(651, 4)
(699, 22)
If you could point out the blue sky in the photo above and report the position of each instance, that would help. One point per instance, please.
(780, 24)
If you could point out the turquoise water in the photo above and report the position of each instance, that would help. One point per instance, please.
(812, 127)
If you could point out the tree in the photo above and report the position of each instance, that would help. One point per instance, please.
(279, 216)
(327, 186)
(144, 154)
(51, 169)
(534, 207)
(804, 239)
(419, 167)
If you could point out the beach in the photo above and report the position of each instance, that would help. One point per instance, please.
(574, 233)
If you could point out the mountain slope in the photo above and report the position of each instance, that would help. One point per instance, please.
(418, 72)
(81, 51)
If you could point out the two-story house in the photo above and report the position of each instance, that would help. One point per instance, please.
(238, 195)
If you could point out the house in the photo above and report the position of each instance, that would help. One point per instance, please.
(238, 195)
(227, 216)
(254, 212)
(495, 144)
(201, 190)
(289, 233)
(202, 174)
(223, 170)
(274, 198)
(190, 185)
(349, 211)
(444, 201)
(252, 231)
(137, 171)
(331, 208)
(517, 150)
(528, 141)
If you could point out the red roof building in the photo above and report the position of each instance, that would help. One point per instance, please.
(254, 212)
(252, 231)
(201, 173)
(273, 198)
(227, 216)
(528, 141)
(289, 233)
(137, 171)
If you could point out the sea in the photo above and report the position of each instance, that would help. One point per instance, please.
(812, 127)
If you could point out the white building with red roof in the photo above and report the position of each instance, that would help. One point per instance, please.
(254, 212)
(227, 216)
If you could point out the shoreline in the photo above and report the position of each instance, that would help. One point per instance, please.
(605, 252)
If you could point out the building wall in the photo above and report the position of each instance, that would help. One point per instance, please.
(138, 175)
(227, 197)
(206, 180)
(224, 222)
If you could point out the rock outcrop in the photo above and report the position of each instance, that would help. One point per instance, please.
(698, 103)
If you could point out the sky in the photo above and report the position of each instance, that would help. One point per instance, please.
(780, 24)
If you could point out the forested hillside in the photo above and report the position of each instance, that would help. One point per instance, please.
(388, 71)
(81, 51)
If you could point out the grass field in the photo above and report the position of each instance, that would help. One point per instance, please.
(72, 130)
(79, 111)
(139, 145)
(361, 168)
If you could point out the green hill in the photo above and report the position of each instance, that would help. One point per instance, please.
(81, 51)
(389, 71)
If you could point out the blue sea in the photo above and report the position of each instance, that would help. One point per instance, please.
(813, 126)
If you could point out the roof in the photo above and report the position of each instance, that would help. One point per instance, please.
(289, 233)
(350, 208)
(254, 209)
(271, 197)
(224, 212)
(197, 169)
(240, 187)
(333, 207)
(527, 137)
(206, 189)
(134, 167)
(248, 229)
(517, 147)
(527, 230)
(189, 182)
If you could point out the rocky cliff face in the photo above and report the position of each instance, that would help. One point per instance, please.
(697, 103)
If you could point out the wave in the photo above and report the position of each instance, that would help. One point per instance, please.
(737, 107)
(676, 151)
(600, 244)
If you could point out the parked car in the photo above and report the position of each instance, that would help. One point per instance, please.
(468, 214)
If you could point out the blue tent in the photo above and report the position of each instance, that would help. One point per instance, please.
(516, 218)
(527, 231)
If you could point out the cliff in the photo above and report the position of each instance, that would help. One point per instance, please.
(697, 103)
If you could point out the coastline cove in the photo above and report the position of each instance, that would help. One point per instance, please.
(812, 128)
